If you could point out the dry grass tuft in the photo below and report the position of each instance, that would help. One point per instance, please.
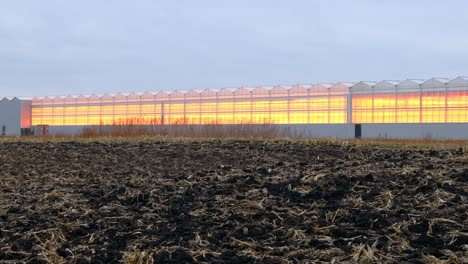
(452, 259)
(135, 256)
(49, 245)
(365, 253)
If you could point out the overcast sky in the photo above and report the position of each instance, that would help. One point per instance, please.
(95, 46)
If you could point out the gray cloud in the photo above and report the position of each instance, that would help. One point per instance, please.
(95, 46)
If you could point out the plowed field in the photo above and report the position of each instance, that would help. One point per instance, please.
(174, 201)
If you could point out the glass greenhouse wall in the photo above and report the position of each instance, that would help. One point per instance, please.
(320, 104)
(410, 101)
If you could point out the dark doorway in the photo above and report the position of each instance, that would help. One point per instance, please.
(357, 131)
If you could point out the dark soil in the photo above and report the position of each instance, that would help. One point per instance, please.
(231, 202)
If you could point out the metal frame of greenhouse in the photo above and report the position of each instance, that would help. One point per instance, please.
(381, 108)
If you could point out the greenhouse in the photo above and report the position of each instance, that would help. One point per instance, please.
(387, 102)
(301, 104)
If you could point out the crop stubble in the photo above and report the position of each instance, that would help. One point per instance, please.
(231, 201)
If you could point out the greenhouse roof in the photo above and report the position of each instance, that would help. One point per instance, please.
(341, 86)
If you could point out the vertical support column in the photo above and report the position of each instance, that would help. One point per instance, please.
(41, 113)
(217, 108)
(446, 103)
(349, 108)
(349, 112)
(328, 106)
(87, 111)
(269, 106)
(126, 110)
(396, 104)
(100, 110)
(100, 113)
(38, 114)
(251, 108)
(140, 111)
(162, 113)
(63, 112)
(153, 119)
(289, 108)
(308, 106)
(52, 106)
(372, 113)
(76, 111)
(200, 109)
(185, 110)
(233, 108)
(420, 104)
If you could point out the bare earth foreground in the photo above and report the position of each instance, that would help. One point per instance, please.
(231, 201)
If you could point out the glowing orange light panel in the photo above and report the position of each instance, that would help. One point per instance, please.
(249, 108)
(240, 110)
